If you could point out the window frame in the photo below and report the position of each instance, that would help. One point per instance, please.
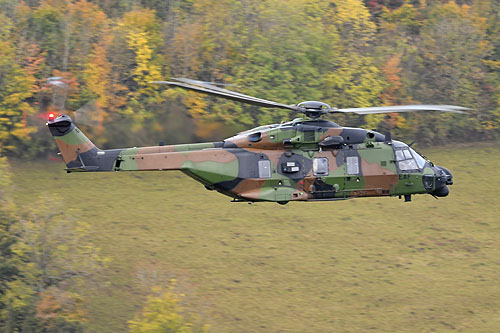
(405, 158)
(352, 161)
(264, 167)
(316, 166)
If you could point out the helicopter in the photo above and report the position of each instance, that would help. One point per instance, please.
(306, 159)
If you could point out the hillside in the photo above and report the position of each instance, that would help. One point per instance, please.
(357, 265)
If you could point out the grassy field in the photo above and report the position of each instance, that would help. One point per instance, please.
(366, 264)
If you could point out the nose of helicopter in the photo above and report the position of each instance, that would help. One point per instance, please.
(442, 178)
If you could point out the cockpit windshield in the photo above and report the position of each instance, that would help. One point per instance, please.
(407, 158)
(420, 160)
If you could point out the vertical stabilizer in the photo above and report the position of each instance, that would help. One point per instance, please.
(78, 152)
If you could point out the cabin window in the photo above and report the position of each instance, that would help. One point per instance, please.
(352, 165)
(264, 169)
(320, 166)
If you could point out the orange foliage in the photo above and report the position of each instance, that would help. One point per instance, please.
(207, 130)
(391, 71)
(56, 306)
(393, 95)
(185, 59)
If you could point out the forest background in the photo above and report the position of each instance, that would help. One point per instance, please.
(347, 53)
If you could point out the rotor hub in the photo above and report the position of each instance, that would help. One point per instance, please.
(314, 109)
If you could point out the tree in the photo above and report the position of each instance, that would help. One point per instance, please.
(44, 26)
(444, 53)
(348, 53)
(162, 313)
(143, 40)
(55, 260)
(8, 268)
(451, 68)
(16, 87)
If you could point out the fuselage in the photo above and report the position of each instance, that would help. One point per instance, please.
(302, 160)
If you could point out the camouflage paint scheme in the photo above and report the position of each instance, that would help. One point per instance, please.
(302, 160)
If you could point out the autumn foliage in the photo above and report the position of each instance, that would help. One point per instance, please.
(347, 53)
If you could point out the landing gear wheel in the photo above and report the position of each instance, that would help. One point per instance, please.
(282, 202)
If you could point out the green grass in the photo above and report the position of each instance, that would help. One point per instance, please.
(365, 264)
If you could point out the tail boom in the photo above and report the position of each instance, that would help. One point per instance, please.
(80, 154)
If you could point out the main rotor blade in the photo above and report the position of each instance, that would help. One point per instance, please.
(198, 82)
(402, 108)
(202, 87)
(207, 85)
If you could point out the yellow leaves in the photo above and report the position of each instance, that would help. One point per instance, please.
(484, 45)
(143, 39)
(97, 73)
(16, 89)
(163, 313)
(142, 19)
(452, 10)
(146, 70)
(495, 64)
(18, 295)
(356, 83)
(86, 14)
(206, 129)
(53, 256)
(55, 243)
(14, 98)
(196, 104)
(354, 22)
(354, 12)
(490, 125)
(372, 120)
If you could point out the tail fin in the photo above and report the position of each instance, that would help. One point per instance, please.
(78, 152)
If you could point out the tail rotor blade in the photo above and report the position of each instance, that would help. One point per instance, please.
(60, 91)
(89, 114)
